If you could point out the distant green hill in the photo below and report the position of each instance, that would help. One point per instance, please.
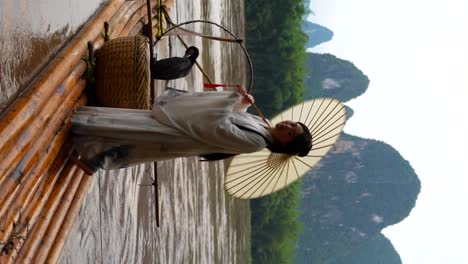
(375, 250)
(329, 76)
(317, 34)
(359, 188)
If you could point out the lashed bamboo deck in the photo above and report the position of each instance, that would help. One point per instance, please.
(40, 190)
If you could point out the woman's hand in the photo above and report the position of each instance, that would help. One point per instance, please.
(241, 89)
(247, 99)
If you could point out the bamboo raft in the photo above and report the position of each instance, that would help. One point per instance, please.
(41, 190)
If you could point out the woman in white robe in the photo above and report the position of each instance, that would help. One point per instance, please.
(181, 124)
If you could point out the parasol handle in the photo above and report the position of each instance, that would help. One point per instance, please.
(260, 114)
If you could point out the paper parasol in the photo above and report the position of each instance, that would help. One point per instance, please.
(258, 174)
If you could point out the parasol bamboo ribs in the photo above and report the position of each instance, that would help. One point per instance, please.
(59, 242)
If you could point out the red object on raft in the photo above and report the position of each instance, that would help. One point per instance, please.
(215, 85)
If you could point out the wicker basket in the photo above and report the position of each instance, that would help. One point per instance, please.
(123, 73)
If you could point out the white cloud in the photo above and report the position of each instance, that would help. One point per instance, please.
(330, 83)
(377, 218)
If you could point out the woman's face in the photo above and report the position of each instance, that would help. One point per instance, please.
(286, 131)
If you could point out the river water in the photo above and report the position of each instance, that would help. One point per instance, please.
(199, 222)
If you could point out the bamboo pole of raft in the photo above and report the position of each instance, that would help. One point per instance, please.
(8, 162)
(61, 238)
(134, 19)
(23, 206)
(29, 217)
(143, 21)
(55, 208)
(133, 7)
(78, 71)
(15, 162)
(40, 252)
(67, 224)
(26, 107)
(65, 130)
(37, 250)
(29, 112)
(24, 199)
(18, 173)
(70, 173)
(149, 34)
(26, 223)
(118, 20)
(73, 77)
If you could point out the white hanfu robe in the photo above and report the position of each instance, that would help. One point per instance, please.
(181, 124)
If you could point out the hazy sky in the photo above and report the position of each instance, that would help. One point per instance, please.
(415, 54)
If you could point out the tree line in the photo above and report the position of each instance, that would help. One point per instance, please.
(276, 42)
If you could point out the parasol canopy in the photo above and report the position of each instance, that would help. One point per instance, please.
(254, 175)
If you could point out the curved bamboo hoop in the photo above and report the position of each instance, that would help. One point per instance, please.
(225, 30)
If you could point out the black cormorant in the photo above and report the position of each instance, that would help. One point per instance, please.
(175, 67)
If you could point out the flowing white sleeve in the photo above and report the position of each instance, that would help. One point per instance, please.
(205, 117)
(240, 107)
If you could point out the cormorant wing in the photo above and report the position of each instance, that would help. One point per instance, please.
(171, 68)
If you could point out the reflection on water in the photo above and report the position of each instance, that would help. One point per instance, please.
(31, 32)
(199, 222)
